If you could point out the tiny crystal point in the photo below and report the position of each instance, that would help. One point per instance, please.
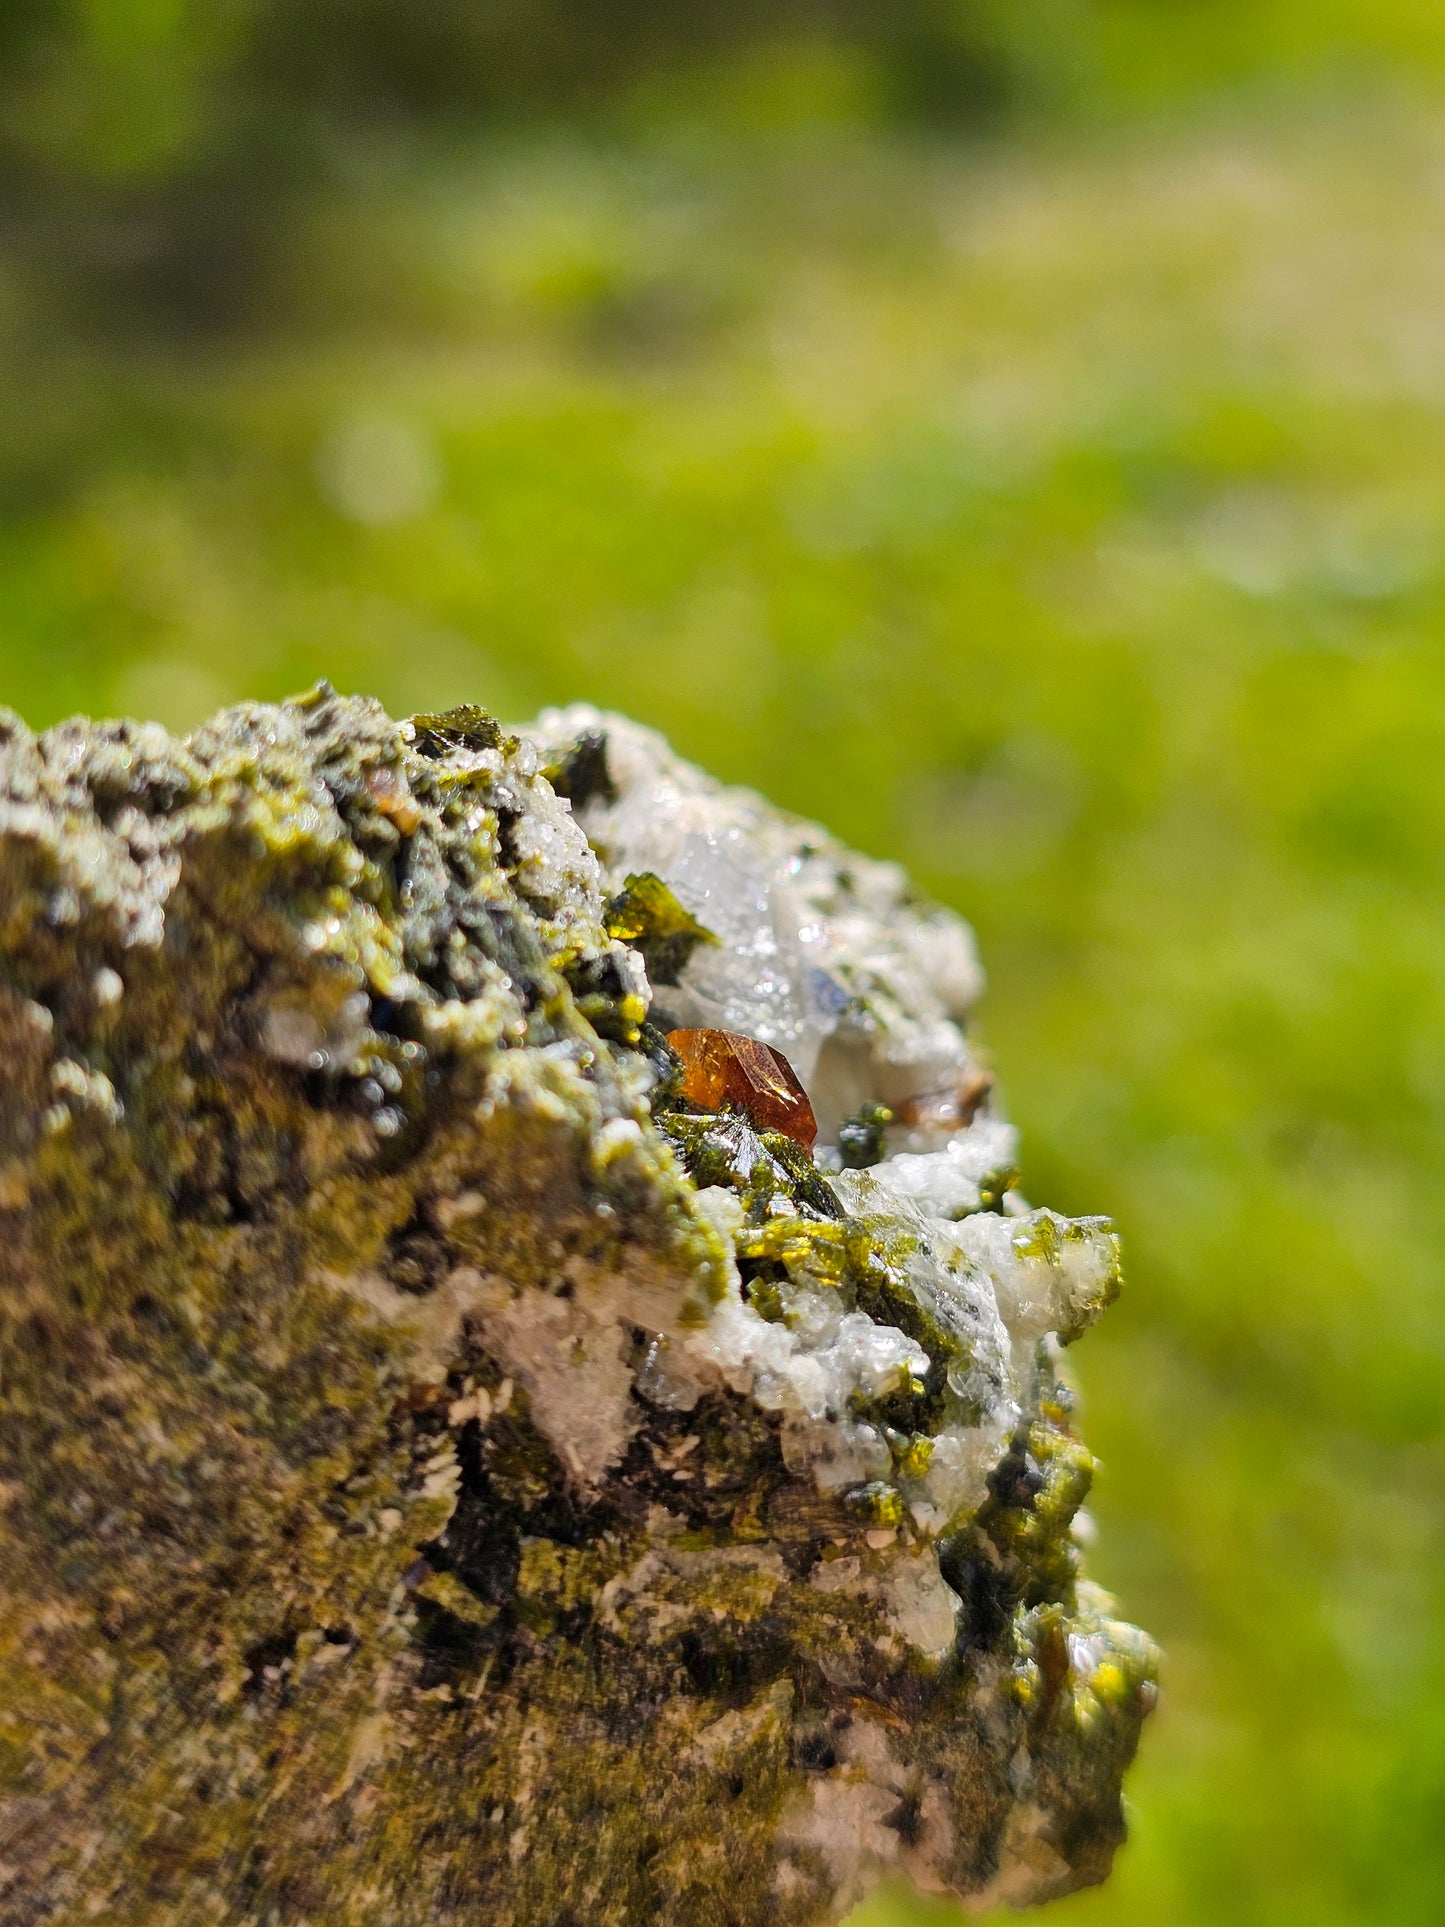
(723, 1067)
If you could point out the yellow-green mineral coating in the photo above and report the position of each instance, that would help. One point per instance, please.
(350, 1573)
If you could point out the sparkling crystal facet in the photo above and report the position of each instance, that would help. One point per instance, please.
(722, 1067)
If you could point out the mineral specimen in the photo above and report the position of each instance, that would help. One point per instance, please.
(721, 1069)
(454, 1467)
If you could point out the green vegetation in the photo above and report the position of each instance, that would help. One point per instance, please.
(1049, 496)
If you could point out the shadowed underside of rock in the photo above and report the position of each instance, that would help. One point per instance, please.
(445, 1476)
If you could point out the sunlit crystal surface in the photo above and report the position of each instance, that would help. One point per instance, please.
(723, 1067)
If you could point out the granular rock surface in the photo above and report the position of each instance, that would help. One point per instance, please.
(447, 1474)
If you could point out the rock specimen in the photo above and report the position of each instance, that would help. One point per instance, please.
(463, 1459)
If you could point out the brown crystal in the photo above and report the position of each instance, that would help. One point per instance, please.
(946, 1110)
(723, 1067)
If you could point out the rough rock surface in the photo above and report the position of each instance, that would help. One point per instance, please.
(444, 1478)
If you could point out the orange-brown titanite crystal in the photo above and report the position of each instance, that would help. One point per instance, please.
(723, 1067)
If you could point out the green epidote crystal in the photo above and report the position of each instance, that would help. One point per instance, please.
(646, 913)
(430, 1491)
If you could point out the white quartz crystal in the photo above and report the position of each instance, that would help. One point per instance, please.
(950, 1182)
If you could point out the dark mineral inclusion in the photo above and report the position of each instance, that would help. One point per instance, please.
(444, 1476)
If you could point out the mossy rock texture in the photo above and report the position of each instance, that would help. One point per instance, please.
(443, 1479)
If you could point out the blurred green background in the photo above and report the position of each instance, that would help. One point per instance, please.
(1012, 431)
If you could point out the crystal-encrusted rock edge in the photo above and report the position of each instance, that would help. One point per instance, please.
(443, 1476)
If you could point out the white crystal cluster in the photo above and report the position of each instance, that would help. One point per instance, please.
(831, 958)
(827, 955)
